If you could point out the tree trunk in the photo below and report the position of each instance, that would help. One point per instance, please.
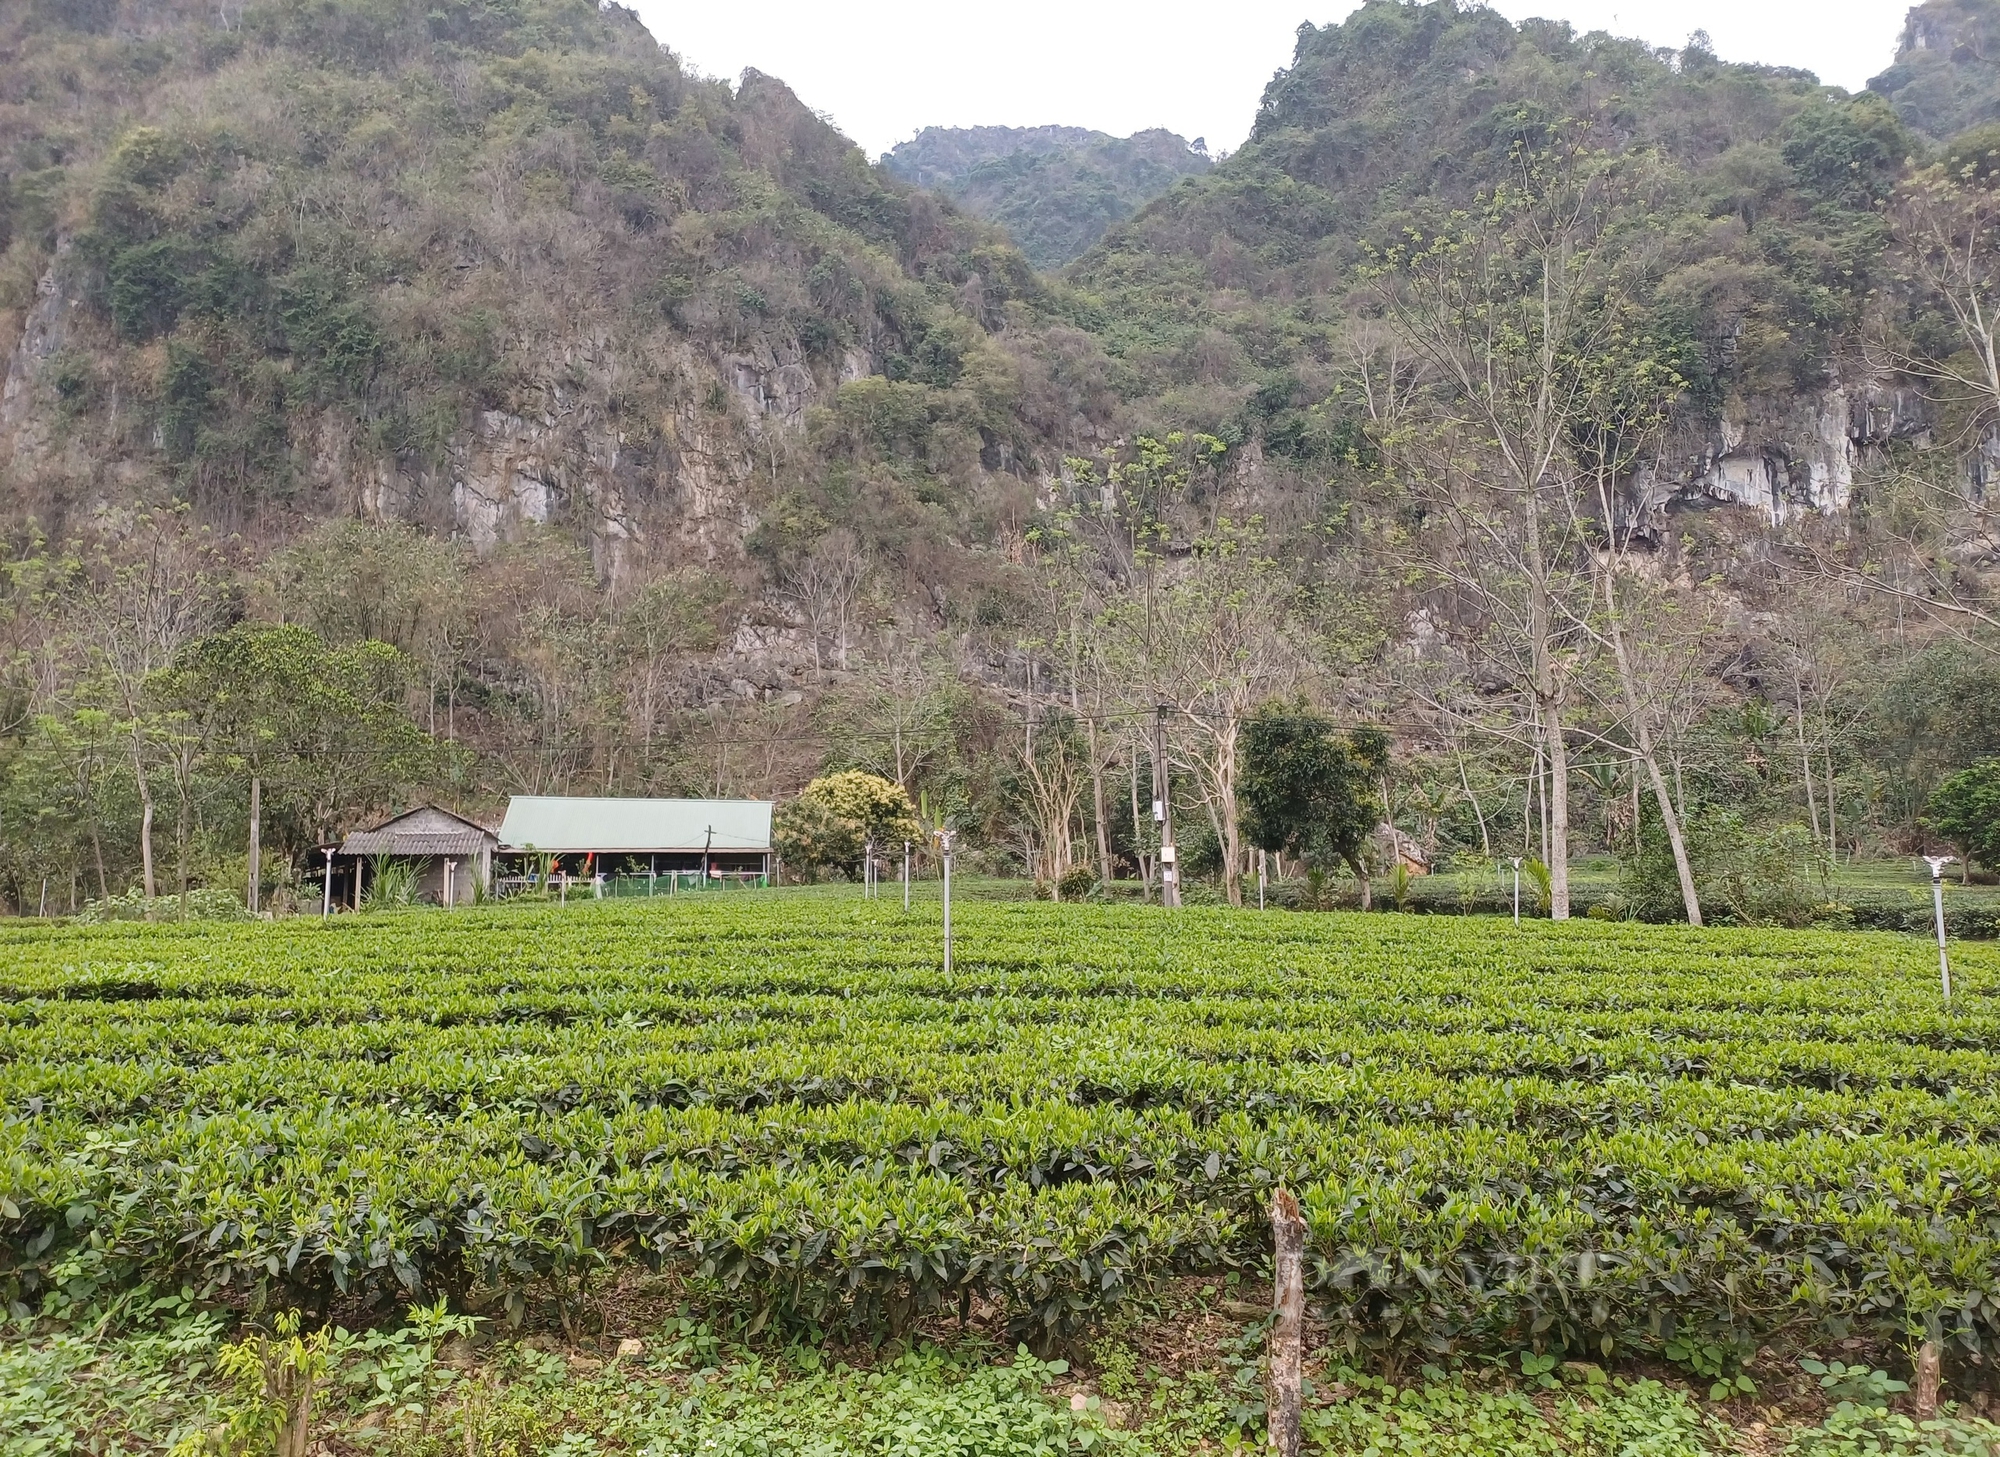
(181, 853)
(1805, 755)
(1139, 835)
(1232, 837)
(150, 880)
(1464, 783)
(1548, 700)
(1558, 861)
(256, 841)
(1361, 874)
(1642, 726)
(1097, 793)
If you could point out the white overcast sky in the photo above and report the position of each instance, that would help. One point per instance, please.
(883, 69)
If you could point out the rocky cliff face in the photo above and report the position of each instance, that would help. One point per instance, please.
(1946, 75)
(1785, 456)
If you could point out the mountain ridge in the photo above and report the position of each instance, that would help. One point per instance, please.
(1056, 189)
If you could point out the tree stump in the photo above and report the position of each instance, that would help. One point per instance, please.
(1930, 1375)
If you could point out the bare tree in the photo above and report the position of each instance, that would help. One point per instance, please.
(148, 605)
(1054, 773)
(1211, 644)
(826, 584)
(1502, 308)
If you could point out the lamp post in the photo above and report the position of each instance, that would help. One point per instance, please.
(906, 877)
(1163, 812)
(326, 899)
(1517, 890)
(944, 839)
(1937, 864)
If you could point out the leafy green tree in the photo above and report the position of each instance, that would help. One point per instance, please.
(1965, 809)
(1308, 788)
(61, 787)
(830, 825)
(320, 733)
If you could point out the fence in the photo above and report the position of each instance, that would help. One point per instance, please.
(676, 882)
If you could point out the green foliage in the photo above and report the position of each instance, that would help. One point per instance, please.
(1845, 1382)
(1942, 81)
(271, 1407)
(325, 727)
(1076, 883)
(207, 903)
(64, 1389)
(783, 1102)
(392, 885)
(1055, 189)
(835, 818)
(1584, 1415)
(1308, 788)
(1965, 810)
(1757, 209)
(1866, 1429)
(925, 1400)
(1746, 874)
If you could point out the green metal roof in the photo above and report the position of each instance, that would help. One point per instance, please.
(562, 826)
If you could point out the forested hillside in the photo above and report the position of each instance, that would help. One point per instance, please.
(1056, 189)
(447, 400)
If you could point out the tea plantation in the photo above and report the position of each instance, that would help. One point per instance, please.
(1597, 1140)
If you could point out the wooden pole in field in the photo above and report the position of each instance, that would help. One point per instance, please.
(256, 855)
(1288, 1300)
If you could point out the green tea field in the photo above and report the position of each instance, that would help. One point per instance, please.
(1609, 1143)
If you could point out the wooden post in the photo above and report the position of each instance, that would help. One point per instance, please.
(1288, 1299)
(1930, 1375)
(256, 838)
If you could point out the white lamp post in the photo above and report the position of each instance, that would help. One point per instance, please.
(1517, 890)
(326, 899)
(1937, 864)
(944, 839)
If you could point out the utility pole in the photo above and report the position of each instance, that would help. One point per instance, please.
(906, 877)
(326, 900)
(1517, 890)
(1163, 811)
